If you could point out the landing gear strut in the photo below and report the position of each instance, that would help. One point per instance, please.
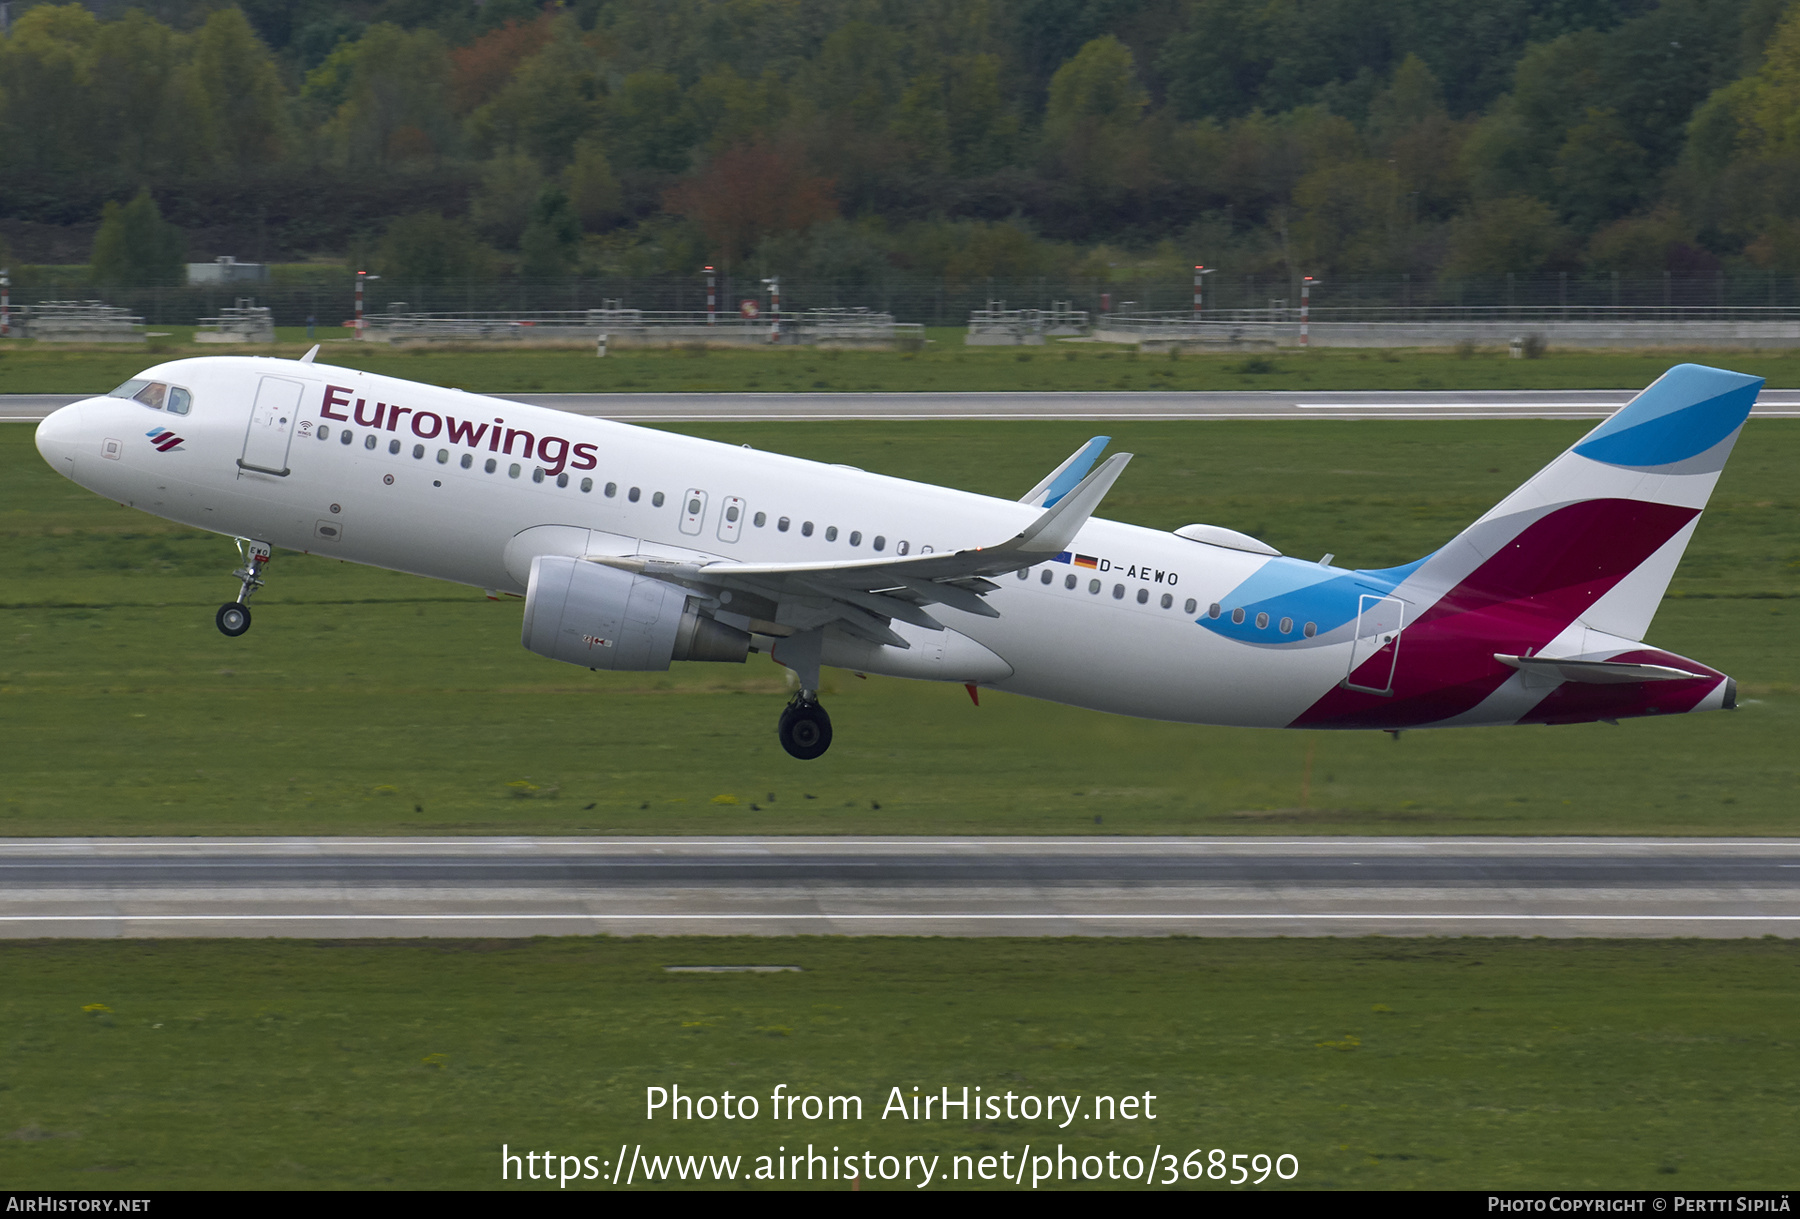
(804, 728)
(233, 617)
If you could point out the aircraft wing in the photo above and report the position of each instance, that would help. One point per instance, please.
(863, 595)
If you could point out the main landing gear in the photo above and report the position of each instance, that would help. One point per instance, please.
(804, 728)
(233, 617)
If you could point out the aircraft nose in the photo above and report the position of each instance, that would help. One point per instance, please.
(58, 436)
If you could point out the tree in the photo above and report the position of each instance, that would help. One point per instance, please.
(1517, 234)
(242, 90)
(510, 185)
(426, 248)
(1091, 120)
(748, 192)
(592, 189)
(46, 103)
(550, 239)
(552, 100)
(136, 248)
(388, 93)
(650, 124)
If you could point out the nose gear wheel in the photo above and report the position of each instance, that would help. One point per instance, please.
(233, 618)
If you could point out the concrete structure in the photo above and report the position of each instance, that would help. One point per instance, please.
(998, 326)
(1157, 334)
(226, 270)
(81, 322)
(239, 323)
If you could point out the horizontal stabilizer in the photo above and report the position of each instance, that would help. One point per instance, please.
(1593, 672)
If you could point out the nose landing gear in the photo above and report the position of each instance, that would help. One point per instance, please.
(804, 728)
(233, 618)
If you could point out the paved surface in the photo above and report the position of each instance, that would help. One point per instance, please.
(898, 886)
(653, 408)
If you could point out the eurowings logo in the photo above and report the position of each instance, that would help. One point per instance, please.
(164, 440)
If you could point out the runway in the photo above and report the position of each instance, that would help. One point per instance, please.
(1095, 407)
(350, 887)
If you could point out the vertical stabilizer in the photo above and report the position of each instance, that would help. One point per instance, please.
(1596, 534)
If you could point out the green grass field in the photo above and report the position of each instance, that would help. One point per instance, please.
(369, 702)
(1379, 1064)
(945, 364)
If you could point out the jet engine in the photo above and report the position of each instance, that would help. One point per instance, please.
(603, 618)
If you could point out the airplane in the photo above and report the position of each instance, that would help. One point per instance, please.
(634, 548)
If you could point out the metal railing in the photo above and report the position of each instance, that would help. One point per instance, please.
(81, 322)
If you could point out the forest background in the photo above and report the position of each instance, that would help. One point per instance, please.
(867, 142)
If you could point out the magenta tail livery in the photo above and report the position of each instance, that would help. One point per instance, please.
(635, 548)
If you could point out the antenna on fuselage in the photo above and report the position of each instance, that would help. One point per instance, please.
(308, 357)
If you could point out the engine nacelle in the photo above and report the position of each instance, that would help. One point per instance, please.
(603, 618)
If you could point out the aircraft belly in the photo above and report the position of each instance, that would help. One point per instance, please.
(1147, 662)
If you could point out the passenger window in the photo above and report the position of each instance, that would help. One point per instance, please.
(1143, 596)
(1167, 600)
(806, 529)
(346, 436)
(856, 537)
(324, 433)
(760, 519)
(370, 441)
(1262, 622)
(781, 526)
(468, 460)
(1069, 581)
(831, 533)
(1024, 573)
(693, 507)
(512, 471)
(537, 474)
(612, 489)
(1212, 611)
(394, 446)
(1118, 592)
(1192, 605)
(1286, 626)
(1094, 586)
(179, 401)
(587, 484)
(634, 495)
(1311, 629)
(880, 542)
(656, 501)
(562, 480)
(418, 452)
(1047, 576)
(491, 465)
(443, 457)
(1237, 616)
(903, 548)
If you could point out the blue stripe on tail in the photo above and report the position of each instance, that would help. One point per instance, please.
(1687, 411)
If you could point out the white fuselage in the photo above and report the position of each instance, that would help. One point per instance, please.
(389, 487)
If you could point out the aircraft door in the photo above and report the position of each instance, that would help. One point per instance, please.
(271, 426)
(1377, 644)
(731, 520)
(693, 510)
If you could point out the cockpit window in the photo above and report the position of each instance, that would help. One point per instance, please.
(156, 396)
